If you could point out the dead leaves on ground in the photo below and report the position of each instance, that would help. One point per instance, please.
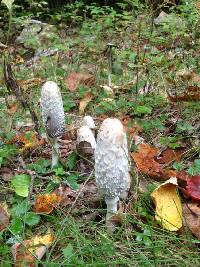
(27, 252)
(191, 213)
(75, 79)
(191, 94)
(46, 203)
(26, 141)
(145, 160)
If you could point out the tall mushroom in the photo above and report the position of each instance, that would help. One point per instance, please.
(53, 115)
(112, 164)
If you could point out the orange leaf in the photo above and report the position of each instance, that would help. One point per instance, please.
(75, 79)
(146, 163)
(46, 203)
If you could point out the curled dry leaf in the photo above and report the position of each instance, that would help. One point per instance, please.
(191, 94)
(146, 163)
(75, 79)
(46, 203)
(4, 217)
(84, 102)
(193, 187)
(168, 205)
(191, 212)
(27, 252)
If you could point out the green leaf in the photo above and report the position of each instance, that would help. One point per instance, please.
(8, 3)
(143, 110)
(20, 209)
(16, 226)
(68, 251)
(32, 218)
(195, 168)
(21, 184)
(71, 161)
(72, 179)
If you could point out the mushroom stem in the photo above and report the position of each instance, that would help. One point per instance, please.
(112, 204)
(55, 152)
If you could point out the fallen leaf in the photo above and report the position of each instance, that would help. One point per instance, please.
(46, 203)
(191, 212)
(193, 187)
(168, 205)
(66, 193)
(84, 102)
(75, 79)
(26, 141)
(191, 94)
(27, 252)
(146, 163)
(12, 108)
(4, 217)
(169, 155)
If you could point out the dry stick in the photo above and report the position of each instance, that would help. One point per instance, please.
(63, 225)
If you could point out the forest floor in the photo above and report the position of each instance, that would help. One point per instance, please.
(154, 91)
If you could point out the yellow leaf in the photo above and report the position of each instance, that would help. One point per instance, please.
(46, 240)
(168, 205)
(84, 102)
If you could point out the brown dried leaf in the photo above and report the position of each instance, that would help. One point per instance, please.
(170, 155)
(4, 217)
(66, 193)
(84, 102)
(146, 163)
(191, 212)
(192, 94)
(12, 108)
(75, 79)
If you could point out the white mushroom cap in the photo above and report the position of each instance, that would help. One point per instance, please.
(88, 120)
(52, 109)
(84, 134)
(111, 159)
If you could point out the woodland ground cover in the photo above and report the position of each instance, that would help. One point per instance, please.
(150, 81)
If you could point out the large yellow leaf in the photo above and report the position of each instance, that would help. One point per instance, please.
(168, 205)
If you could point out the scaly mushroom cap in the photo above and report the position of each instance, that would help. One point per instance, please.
(88, 121)
(111, 159)
(52, 109)
(84, 134)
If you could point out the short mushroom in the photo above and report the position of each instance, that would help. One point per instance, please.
(86, 142)
(53, 115)
(112, 164)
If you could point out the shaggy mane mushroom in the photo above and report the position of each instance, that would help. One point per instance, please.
(112, 164)
(53, 115)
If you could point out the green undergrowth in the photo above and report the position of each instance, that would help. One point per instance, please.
(145, 63)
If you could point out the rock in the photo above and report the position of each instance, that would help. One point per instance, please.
(36, 34)
(160, 19)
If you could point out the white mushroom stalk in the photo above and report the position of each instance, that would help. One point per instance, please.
(53, 116)
(112, 164)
